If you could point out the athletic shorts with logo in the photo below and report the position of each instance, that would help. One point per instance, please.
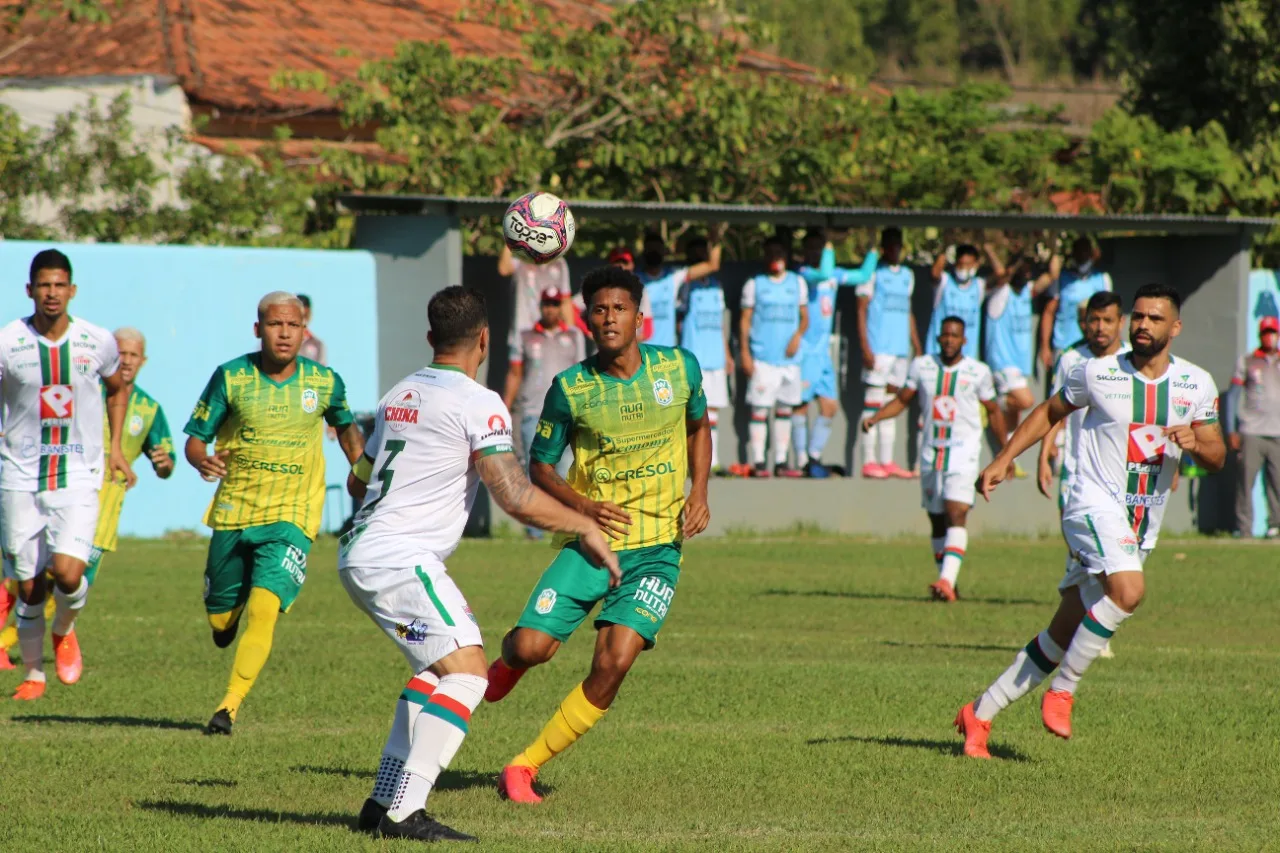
(1099, 544)
(268, 556)
(1009, 379)
(715, 384)
(774, 384)
(818, 376)
(888, 370)
(571, 587)
(940, 487)
(419, 608)
(36, 525)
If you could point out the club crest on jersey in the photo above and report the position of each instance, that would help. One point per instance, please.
(546, 601)
(415, 633)
(135, 425)
(403, 413)
(1181, 405)
(83, 364)
(1128, 544)
(310, 400)
(662, 392)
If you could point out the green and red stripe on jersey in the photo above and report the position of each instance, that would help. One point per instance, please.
(55, 369)
(942, 432)
(1150, 408)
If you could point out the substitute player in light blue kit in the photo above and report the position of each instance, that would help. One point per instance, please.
(1009, 342)
(700, 320)
(775, 315)
(662, 282)
(888, 336)
(817, 371)
(1059, 325)
(959, 292)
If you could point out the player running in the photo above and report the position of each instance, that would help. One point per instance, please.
(636, 419)
(267, 411)
(1143, 410)
(952, 387)
(817, 372)
(146, 431)
(662, 283)
(771, 328)
(888, 336)
(52, 369)
(438, 433)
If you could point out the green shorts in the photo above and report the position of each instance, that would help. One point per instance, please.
(271, 556)
(571, 586)
(95, 561)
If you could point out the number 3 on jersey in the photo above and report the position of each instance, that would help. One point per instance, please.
(386, 473)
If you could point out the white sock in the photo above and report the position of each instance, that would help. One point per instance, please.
(1030, 666)
(872, 401)
(1099, 624)
(714, 420)
(69, 607)
(938, 543)
(396, 749)
(800, 437)
(437, 734)
(31, 637)
(885, 438)
(782, 435)
(819, 436)
(953, 553)
(758, 434)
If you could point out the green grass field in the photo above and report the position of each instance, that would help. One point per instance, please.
(800, 698)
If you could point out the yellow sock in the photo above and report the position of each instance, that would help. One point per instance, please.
(50, 607)
(8, 638)
(255, 645)
(571, 721)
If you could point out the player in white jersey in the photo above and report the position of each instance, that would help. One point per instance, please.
(953, 389)
(1144, 409)
(438, 434)
(52, 368)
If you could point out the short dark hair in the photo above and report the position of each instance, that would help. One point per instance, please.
(653, 237)
(696, 242)
(456, 315)
(775, 240)
(966, 249)
(608, 277)
(1154, 290)
(815, 232)
(951, 318)
(305, 300)
(1102, 300)
(893, 233)
(49, 259)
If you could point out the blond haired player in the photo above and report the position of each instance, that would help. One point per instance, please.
(146, 431)
(267, 412)
(52, 369)
(1143, 410)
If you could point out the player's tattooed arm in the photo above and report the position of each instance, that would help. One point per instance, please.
(351, 440)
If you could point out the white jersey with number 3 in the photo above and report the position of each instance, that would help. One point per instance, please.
(429, 430)
(951, 399)
(52, 397)
(1125, 464)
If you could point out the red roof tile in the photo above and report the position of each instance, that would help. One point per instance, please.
(225, 52)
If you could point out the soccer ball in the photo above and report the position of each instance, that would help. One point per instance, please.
(538, 227)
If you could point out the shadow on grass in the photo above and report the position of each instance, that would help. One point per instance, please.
(450, 780)
(208, 783)
(201, 810)
(943, 747)
(122, 722)
(961, 647)
(886, 596)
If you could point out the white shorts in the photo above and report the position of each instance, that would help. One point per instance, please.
(1009, 379)
(715, 384)
(36, 525)
(1099, 544)
(774, 384)
(938, 487)
(419, 608)
(889, 370)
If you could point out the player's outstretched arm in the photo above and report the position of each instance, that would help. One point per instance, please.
(1044, 466)
(1031, 430)
(351, 440)
(526, 503)
(892, 409)
(611, 518)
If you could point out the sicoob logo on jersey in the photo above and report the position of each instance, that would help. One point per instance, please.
(403, 412)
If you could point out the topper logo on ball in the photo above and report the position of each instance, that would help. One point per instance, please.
(520, 230)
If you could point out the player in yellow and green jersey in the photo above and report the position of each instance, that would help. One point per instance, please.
(267, 412)
(636, 419)
(146, 431)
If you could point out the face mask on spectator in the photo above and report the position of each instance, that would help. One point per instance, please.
(777, 267)
(1085, 267)
(963, 275)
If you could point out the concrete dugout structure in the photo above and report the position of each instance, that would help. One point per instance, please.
(416, 242)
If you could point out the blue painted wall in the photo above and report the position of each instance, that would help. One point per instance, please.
(197, 306)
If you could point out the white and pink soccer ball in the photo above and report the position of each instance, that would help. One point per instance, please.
(538, 227)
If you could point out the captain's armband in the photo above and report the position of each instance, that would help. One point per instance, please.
(363, 469)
